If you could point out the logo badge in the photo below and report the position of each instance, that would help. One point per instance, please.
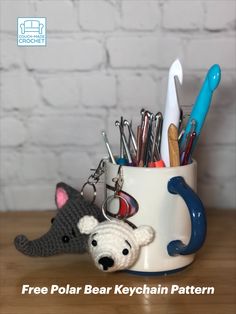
(31, 31)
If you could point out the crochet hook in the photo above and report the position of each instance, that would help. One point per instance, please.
(108, 147)
(124, 143)
(155, 160)
(173, 146)
(187, 153)
(139, 136)
(144, 133)
(202, 103)
(131, 133)
(172, 110)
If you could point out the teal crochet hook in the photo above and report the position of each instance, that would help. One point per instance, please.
(202, 104)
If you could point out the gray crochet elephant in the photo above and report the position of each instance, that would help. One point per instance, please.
(63, 236)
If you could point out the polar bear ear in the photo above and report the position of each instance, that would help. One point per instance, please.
(144, 235)
(87, 224)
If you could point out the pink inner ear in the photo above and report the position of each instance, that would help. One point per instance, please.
(61, 197)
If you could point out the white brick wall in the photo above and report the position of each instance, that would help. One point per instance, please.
(140, 15)
(11, 60)
(143, 51)
(23, 95)
(98, 16)
(213, 50)
(98, 90)
(67, 90)
(136, 90)
(58, 131)
(107, 58)
(12, 132)
(64, 54)
(64, 13)
(183, 15)
(219, 15)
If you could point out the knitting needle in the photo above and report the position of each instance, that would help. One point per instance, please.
(173, 145)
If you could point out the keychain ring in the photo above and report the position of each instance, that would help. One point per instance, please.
(105, 210)
(94, 190)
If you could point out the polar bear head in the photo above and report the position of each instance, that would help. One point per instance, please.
(114, 245)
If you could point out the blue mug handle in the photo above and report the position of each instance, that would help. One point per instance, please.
(177, 185)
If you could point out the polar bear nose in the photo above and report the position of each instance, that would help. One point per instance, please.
(106, 262)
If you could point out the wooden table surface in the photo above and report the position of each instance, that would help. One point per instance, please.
(214, 266)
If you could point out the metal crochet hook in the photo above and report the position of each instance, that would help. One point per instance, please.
(121, 142)
(155, 152)
(185, 143)
(142, 113)
(150, 116)
(108, 147)
(131, 133)
(124, 142)
(121, 160)
(139, 136)
(187, 154)
(144, 138)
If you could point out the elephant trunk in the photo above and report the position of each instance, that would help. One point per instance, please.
(43, 246)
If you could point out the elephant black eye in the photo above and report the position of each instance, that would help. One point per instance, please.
(125, 252)
(65, 239)
(94, 243)
(52, 220)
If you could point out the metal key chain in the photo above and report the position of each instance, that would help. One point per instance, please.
(93, 180)
(119, 180)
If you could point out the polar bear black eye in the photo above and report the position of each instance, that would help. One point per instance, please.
(94, 243)
(125, 252)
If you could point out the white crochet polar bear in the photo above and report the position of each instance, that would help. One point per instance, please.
(114, 245)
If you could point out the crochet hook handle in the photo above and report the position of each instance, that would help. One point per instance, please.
(203, 101)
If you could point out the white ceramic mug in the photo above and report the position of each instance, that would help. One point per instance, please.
(168, 202)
